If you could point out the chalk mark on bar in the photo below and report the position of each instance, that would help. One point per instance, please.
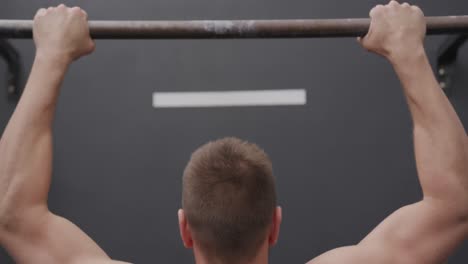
(286, 97)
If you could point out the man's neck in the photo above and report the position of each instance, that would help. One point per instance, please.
(261, 258)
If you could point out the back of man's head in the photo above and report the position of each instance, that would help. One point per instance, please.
(229, 199)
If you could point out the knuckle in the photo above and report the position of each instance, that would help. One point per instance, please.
(393, 3)
(75, 9)
(376, 10)
(380, 8)
(416, 8)
(41, 12)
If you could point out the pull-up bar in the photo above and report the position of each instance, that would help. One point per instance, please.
(231, 29)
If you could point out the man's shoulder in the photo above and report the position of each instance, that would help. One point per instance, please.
(110, 262)
(357, 255)
(338, 255)
(106, 261)
(348, 255)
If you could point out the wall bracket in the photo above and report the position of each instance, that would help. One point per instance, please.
(447, 56)
(13, 60)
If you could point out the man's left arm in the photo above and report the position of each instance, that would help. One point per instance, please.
(428, 231)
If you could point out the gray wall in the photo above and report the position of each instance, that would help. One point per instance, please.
(343, 162)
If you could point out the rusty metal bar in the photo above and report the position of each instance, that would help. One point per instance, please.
(231, 29)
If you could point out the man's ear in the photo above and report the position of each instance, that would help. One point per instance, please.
(184, 229)
(275, 227)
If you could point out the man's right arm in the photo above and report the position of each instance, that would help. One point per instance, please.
(28, 230)
(429, 231)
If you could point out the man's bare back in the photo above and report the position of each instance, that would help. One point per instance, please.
(426, 232)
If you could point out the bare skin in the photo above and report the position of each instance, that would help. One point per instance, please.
(426, 232)
(28, 230)
(429, 231)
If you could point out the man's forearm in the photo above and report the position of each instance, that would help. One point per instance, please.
(26, 144)
(428, 104)
(440, 139)
(40, 95)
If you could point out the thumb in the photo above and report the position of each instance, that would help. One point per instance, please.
(365, 43)
(362, 40)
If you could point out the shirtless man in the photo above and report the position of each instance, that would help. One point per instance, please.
(229, 210)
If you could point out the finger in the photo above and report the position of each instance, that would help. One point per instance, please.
(41, 12)
(75, 9)
(50, 8)
(364, 43)
(62, 6)
(393, 3)
(417, 9)
(93, 46)
(374, 11)
(360, 40)
(405, 5)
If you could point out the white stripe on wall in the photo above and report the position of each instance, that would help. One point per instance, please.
(230, 98)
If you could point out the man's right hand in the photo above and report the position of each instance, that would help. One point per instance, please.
(62, 33)
(396, 32)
